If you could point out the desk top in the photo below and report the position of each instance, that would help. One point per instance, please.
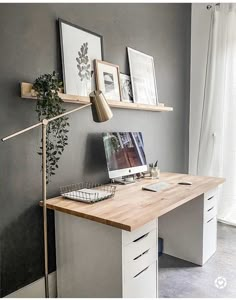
(133, 207)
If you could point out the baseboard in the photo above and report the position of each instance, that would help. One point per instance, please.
(36, 289)
(225, 222)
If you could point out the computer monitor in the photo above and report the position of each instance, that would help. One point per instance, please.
(124, 153)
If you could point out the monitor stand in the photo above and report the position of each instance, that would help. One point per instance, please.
(124, 180)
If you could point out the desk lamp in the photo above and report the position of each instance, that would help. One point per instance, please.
(101, 113)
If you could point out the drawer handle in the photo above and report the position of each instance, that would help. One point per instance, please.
(141, 272)
(210, 220)
(210, 208)
(141, 237)
(145, 252)
(210, 198)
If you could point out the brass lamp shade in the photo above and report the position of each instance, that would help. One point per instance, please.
(103, 111)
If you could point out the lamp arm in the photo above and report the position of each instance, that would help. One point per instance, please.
(68, 112)
(45, 122)
(21, 131)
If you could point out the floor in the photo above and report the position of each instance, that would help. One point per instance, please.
(181, 279)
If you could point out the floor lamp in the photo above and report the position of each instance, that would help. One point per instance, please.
(101, 113)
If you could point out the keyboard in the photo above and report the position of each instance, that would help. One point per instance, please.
(156, 187)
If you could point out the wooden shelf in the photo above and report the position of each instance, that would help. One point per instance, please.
(26, 93)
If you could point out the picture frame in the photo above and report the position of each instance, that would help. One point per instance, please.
(79, 48)
(143, 78)
(126, 88)
(108, 79)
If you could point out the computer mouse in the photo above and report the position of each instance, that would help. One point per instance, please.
(185, 183)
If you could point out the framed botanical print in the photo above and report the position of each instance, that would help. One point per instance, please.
(79, 48)
(126, 88)
(143, 77)
(108, 79)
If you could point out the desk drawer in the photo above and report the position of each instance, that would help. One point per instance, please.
(143, 284)
(210, 199)
(210, 213)
(140, 262)
(128, 237)
(139, 246)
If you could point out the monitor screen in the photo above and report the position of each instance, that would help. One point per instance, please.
(124, 153)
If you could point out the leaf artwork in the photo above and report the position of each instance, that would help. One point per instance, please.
(83, 63)
(49, 105)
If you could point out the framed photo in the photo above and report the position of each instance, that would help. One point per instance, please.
(143, 77)
(79, 48)
(108, 79)
(126, 88)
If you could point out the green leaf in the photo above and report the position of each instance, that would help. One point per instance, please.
(48, 105)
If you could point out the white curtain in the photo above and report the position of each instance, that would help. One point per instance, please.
(217, 143)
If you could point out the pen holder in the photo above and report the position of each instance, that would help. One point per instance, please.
(154, 172)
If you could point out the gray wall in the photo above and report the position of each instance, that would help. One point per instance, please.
(30, 47)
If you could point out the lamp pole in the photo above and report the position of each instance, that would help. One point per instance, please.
(44, 194)
(104, 113)
(43, 125)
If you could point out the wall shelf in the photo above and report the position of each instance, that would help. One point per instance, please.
(26, 93)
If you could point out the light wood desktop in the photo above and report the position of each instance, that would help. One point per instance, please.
(116, 255)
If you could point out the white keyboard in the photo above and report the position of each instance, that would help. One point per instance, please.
(157, 187)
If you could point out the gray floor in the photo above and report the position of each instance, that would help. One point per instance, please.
(181, 279)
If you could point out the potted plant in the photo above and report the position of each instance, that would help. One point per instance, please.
(49, 104)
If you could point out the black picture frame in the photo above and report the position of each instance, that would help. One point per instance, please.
(60, 23)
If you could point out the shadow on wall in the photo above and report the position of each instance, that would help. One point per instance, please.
(28, 260)
(95, 165)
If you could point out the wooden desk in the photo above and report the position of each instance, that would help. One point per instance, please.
(98, 261)
(133, 207)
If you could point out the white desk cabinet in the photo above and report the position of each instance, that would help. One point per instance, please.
(99, 261)
(190, 231)
(109, 249)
